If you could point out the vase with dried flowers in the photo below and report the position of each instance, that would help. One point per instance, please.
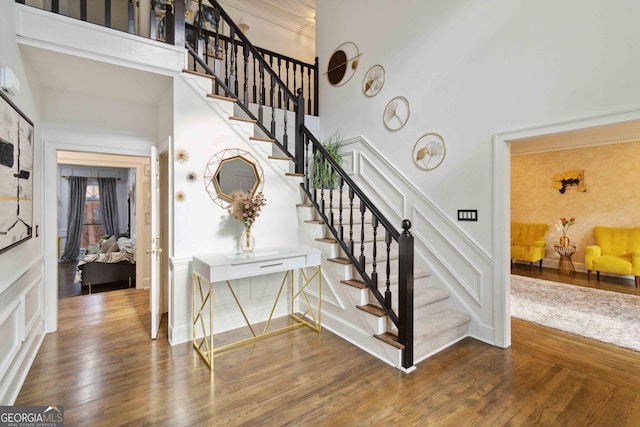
(246, 208)
(563, 226)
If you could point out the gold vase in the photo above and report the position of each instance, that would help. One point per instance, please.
(564, 241)
(247, 241)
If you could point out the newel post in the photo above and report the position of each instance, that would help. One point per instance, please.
(299, 153)
(405, 293)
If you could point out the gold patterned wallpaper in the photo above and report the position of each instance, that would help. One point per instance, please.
(612, 179)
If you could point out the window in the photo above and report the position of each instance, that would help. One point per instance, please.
(92, 229)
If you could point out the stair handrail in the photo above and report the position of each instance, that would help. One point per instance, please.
(306, 157)
(404, 319)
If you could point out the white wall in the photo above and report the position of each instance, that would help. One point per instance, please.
(21, 281)
(266, 33)
(200, 226)
(471, 70)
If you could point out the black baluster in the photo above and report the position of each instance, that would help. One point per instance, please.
(245, 51)
(236, 87)
(232, 64)
(107, 13)
(170, 25)
(273, 107)
(131, 26)
(255, 88)
(83, 10)
(286, 103)
(363, 210)
(351, 242)
(279, 87)
(341, 229)
(55, 6)
(299, 134)
(285, 135)
(261, 103)
(309, 95)
(316, 85)
(374, 273)
(387, 292)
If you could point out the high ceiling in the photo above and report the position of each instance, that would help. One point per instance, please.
(295, 15)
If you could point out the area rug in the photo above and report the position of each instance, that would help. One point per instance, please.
(605, 316)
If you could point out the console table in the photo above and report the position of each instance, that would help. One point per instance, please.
(222, 268)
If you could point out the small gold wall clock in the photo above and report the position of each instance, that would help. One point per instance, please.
(396, 113)
(343, 64)
(429, 151)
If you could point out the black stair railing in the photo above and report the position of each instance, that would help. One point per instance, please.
(366, 236)
(352, 218)
(102, 12)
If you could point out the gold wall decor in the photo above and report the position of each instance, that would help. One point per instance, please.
(343, 63)
(373, 81)
(575, 177)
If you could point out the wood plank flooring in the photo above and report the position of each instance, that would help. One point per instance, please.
(103, 368)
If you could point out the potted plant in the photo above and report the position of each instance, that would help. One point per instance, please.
(325, 176)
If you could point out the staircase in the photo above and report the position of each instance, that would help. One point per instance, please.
(435, 325)
(374, 296)
(360, 319)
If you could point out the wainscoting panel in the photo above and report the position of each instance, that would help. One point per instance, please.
(21, 329)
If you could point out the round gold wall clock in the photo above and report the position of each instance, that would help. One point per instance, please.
(429, 151)
(373, 81)
(396, 113)
(343, 63)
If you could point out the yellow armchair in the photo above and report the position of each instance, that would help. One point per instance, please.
(617, 250)
(528, 242)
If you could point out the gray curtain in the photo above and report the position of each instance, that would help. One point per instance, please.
(75, 220)
(109, 205)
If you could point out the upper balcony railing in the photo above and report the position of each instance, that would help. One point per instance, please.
(191, 22)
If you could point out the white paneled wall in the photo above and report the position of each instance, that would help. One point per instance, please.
(21, 328)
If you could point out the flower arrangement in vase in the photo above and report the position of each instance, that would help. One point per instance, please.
(246, 209)
(563, 226)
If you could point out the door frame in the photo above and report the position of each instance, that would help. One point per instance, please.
(50, 222)
(502, 205)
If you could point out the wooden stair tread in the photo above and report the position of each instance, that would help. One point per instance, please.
(390, 339)
(197, 73)
(242, 119)
(280, 158)
(314, 221)
(355, 283)
(260, 138)
(304, 205)
(327, 240)
(343, 261)
(372, 309)
(221, 97)
(294, 174)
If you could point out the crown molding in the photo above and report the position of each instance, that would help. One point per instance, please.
(276, 14)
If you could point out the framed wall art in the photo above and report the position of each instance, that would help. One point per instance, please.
(16, 175)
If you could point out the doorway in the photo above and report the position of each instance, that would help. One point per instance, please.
(602, 129)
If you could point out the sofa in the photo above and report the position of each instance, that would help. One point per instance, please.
(528, 242)
(617, 250)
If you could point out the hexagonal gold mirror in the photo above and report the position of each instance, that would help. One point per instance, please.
(232, 170)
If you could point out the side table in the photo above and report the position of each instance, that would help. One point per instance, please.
(565, 265)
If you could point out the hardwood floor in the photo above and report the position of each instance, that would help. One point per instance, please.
(103, 368)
